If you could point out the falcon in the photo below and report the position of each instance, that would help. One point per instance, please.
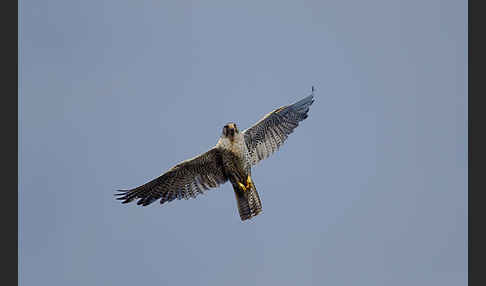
(231, 159)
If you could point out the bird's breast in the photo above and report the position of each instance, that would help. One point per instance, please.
(235, 151)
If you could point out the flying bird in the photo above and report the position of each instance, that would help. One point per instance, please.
(231, 159)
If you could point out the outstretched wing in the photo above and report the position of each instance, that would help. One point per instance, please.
(185, 180)
(268, 134)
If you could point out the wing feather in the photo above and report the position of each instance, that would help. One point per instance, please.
(183, 181)
(269, 133)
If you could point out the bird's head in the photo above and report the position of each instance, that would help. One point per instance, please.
(229, 130)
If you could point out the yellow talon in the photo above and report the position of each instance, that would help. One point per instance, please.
(242, 186)
(249, 183)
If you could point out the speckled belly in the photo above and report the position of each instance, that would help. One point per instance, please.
(235, 167)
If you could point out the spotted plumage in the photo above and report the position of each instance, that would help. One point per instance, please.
(230, 160)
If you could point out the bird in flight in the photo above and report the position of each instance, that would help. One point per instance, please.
(231, 159)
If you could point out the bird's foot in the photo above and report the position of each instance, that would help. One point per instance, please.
(242, 187)
(249, 183)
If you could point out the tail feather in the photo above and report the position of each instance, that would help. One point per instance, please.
(249, 204)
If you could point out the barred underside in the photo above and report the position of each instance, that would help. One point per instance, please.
(268, 134)
(185, 180)
(248, 202)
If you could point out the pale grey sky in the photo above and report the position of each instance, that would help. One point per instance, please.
(371, 189)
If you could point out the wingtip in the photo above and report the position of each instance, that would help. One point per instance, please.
(312, 92)
(304, 103)
(120, 193)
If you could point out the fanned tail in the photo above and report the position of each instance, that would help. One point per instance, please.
(248, 202)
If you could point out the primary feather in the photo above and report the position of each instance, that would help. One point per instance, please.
(270, 132)
(185, 180)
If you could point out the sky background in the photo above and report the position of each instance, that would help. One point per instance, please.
(371, 189)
